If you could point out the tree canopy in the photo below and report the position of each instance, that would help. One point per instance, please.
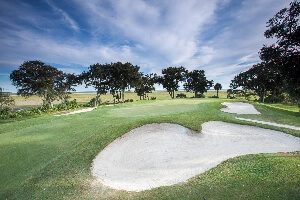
(145, 85)
(196, 82)
(38, 78)
(114, 78)
(218, 87)
(279, 70)
(171, 77)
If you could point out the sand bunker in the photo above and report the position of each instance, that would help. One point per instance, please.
(165, 154)
(77, 111)
(239, 108)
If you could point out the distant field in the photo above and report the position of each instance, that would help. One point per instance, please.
(86, 97)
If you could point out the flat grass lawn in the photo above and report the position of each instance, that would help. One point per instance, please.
(49, 157)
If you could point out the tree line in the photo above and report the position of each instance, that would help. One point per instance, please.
(277, 76)
(38, 78)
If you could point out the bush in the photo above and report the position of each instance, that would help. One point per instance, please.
(200, 96)
(181, 95)
(153, 98)
(5, 113)
(214, 96)
(128, 100)
(93, 102)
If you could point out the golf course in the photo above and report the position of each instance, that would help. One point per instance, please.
(150, 100)
(51, 156)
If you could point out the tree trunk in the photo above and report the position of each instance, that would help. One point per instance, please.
(218, 93)
(97, 100)
(263, 96)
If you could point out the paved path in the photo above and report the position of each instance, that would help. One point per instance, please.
(270, 123)
(76, 112)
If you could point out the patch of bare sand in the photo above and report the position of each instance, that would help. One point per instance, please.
(165, 154)
(239, 108)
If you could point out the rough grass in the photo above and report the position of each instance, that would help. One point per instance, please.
(49, 157)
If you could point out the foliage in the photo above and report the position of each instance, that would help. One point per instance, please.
(8, 113)
(145, 85)
(5, 99)
(65, 85)
(122, 77)
(197, 82)
(285, 54)
(181, 95)
(37, 78)
(278, 73)
(171, 78)
(97, 76)
(218, 87)
(114, 78)
(262, 78)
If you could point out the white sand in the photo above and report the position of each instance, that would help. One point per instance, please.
(165, 154)
(270, 123)
(239, 108)
(77, 111)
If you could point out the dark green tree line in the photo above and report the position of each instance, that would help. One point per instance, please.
(279, 70)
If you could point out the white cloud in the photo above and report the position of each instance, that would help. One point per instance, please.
(168, 29)
(151, 34)
(66, 18)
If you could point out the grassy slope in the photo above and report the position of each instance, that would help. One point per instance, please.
(51, 156)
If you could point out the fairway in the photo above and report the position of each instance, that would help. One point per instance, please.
(50, 157)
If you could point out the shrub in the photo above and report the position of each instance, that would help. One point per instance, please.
(153, 98)
(181, 95)
(200, 96)
(128, 100)
(5, 113)
(214, 96)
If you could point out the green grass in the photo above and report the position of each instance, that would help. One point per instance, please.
(287, 107)
(49, 157)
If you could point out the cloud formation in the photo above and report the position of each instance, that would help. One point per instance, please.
(219, 36)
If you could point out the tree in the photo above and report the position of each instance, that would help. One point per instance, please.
(171, 78)
(218, 87)
(261, 78)
(197, 82)
(145, 85)
(122, 77)
(285, 54)
(66, 83)
(114, 78)
(37, 78)
(5, 99)
(98, 76)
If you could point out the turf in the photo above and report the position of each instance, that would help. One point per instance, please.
(49, 157)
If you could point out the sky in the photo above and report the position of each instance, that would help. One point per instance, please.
(222, 37)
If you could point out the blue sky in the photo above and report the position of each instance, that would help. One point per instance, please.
(220, 36)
